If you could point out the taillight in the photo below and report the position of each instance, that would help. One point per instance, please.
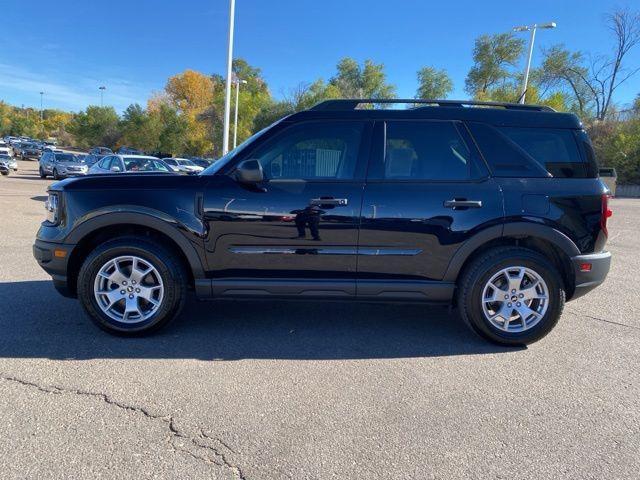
(605, 214)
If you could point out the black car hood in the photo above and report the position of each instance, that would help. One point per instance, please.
(138, 181)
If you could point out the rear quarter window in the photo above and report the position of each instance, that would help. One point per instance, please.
(556, 150)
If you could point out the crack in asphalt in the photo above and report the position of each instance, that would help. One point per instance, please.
(591, 317)
(199, 441)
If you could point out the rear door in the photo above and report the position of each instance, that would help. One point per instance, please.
(427, 192)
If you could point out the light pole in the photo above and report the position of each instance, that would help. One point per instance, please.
(41, 111)
(235, 121)
(532, 39)
(227, 90)
(102, 88)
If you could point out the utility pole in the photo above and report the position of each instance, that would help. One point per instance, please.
(41, 111)
(532, 39)
(227, 91)
(102, 88)
(235, 122)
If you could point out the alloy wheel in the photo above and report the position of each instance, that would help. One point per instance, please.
(128, 289)
(515, 299)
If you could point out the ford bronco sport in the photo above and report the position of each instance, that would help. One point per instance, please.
(494, 208)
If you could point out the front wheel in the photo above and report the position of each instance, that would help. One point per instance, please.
(55, 174)
(511, 296)
(42, 173)
(130, 286)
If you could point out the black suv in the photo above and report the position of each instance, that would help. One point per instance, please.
(495, 208)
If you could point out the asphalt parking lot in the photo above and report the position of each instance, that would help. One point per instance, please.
(311, 391)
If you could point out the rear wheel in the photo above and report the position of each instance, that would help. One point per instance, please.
(511, 296)
(41, 172)
(130, 286)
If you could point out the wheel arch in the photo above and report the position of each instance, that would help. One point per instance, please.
(544, 239)
(97, 230)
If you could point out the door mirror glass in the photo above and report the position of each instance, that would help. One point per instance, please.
(249, 171)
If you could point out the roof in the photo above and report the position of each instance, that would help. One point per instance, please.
(495, 113)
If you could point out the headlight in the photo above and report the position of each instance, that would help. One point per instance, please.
(51, 205)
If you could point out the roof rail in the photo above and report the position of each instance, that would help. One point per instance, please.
(353, 103)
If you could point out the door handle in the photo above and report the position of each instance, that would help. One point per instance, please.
(462, 203)
(329, 201)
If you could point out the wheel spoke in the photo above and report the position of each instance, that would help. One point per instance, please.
(531, 293)
(515, 282)
(525, 313)
(113, 296)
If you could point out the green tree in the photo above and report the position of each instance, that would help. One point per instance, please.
(433, 83)
(96, 126)
(367, 81)
(493, 58)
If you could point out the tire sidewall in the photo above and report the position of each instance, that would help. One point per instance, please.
(543, 268)
(173, 287)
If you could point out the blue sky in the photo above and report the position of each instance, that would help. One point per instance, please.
(68, 48)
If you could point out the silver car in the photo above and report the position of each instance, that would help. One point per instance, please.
(129, 164)
(7, 164)
(61, 165)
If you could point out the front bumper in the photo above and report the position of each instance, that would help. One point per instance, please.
(54, 258)
(587, 281)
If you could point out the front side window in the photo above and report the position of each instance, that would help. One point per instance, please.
(312, 151)
(423, 150)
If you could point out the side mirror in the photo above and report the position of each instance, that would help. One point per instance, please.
(115, 168)
(249, 171)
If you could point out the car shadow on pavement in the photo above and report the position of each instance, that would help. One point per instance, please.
(36, 322)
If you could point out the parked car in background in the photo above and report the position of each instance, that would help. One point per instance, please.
(61, 165)
(129, 164)
(30, 151)
(8, 164)
(202, 162)
(6, 150)
(92, 159)
(183, 165)
(124, 150)
(102, 151)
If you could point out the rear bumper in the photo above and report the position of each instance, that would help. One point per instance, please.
(587, 281)
(49, 257)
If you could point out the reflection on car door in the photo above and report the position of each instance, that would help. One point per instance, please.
(296, 232)
(427, 192)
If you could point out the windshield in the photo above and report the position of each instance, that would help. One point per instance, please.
(186, 162)
(222, 161)
(144, 165)
(65, 157)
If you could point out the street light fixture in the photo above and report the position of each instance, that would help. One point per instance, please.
(532, 29)
(227, 90)
(235, 122)
(102, 88)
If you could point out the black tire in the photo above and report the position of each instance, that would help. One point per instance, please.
(169, 267)
(480, 271)
(5, 173)
(55, 174)
(41, 172)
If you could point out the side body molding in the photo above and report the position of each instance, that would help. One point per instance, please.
(148, 218)
(515, 230)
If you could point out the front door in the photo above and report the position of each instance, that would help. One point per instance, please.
(427, 192)
(295, 233)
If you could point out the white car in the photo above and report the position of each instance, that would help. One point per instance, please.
(6, 149)
(182, 165)
(111, 164)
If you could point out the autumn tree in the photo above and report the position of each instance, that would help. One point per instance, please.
(95, 126)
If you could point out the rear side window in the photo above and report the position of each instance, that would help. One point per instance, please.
(423, 150)
(555, 149)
